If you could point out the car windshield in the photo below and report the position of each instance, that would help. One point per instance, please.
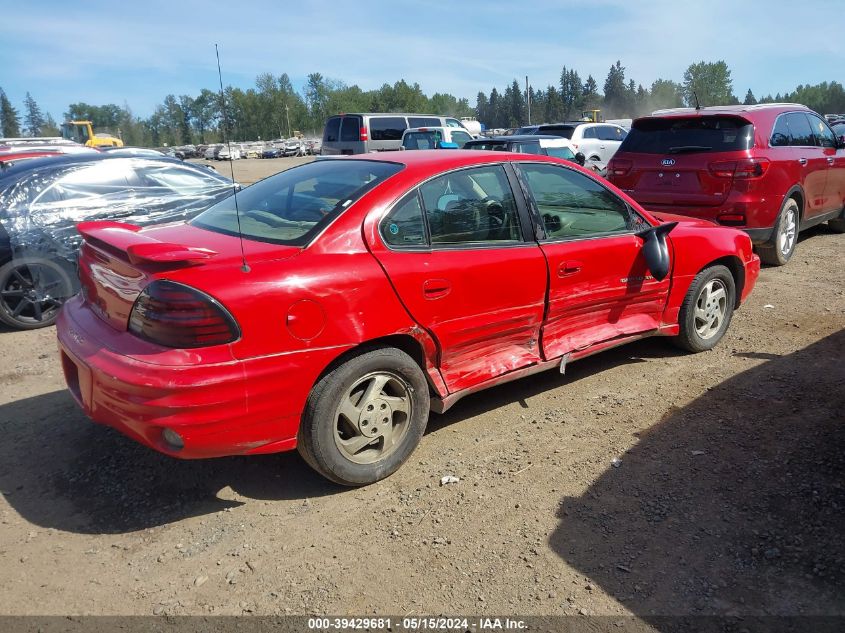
(293, 206)
(688, 136)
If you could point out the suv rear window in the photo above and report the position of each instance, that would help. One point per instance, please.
(557, 130)
(693, 135)
(387, 128)
(294, 205)
(350, 130)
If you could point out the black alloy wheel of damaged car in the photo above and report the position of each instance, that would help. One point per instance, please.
(32, 290)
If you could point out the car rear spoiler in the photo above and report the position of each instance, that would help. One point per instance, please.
(139, 248)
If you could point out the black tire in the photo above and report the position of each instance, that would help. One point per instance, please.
(695, 334)
(781, 245)
(837, 225)
(19, 279)
(325, 431)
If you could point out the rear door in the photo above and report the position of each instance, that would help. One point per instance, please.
(812, 160)
(588, 143)
(455, 251)
(600, 288)
(834, 189)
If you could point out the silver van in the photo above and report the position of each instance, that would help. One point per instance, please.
(360, 133)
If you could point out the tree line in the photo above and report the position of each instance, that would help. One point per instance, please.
(273, 108)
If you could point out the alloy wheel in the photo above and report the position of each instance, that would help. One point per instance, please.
(711, 308)
(32, 293)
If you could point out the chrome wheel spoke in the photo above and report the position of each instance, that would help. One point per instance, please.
(388, 437)
(397, 404)
(355, 445)
(374, 389)
(349, 411)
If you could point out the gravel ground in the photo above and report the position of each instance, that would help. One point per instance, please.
(645, 481)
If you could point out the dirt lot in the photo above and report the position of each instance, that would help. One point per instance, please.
(727, 497)
(249, 170)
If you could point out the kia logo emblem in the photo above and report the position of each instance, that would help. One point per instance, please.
(668, 162)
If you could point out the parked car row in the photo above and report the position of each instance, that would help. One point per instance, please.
(269, 149)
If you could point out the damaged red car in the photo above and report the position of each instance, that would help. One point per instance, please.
(333, 306)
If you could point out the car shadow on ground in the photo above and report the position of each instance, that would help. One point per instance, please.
(736, 499)
(60, 470)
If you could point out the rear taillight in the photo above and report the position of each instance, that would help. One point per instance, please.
(619, 166)
(363, 133)
(175, 315)
(745, 168)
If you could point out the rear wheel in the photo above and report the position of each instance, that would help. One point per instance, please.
(32, 291)
(364, 418)
(707, 310)
(781, 246)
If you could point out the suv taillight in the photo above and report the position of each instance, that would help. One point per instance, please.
(745, 168)
(175, 315)
(619, 166)
(363, 133)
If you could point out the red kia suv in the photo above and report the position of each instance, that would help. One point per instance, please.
(770, 169)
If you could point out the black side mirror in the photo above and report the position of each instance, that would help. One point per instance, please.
(655, 249)
(580, 158)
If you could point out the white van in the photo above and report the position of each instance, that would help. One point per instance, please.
(359, 133)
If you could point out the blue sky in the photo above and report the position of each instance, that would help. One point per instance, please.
(136, 52)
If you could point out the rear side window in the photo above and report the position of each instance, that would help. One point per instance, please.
(693, 135)
(799, 130)
(780, 135)
(590, 132)
(405, 225)
(350, 130)
(556, 130)
(423, 121)
(387, 128)
(332, 131)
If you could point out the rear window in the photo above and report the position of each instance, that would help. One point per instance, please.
(294, 205)
(556, 130)
(350, 129)
(694, 135)
(421, 140)
(332, 131)
(488, 145)
(387, 128)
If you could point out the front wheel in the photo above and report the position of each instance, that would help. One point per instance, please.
(364, 418)
(707, 310)
(32, 290)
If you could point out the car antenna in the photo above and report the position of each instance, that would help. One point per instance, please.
(695, 96)
(244, 266)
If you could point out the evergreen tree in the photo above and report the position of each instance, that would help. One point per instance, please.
(10, 121)
(749, 98)
(571, 93)
(33, 118)
(710, 82)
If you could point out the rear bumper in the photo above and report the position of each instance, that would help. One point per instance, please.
(231, 408)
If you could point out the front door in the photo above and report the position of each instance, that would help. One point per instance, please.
(454, 251)
(600, 287)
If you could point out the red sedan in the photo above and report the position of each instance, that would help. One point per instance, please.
(332, 306)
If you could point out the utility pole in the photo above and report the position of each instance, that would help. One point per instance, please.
(287, 114)
(528, 98)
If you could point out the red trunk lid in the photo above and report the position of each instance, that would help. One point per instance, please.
(118, 260)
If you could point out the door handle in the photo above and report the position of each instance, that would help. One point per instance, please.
(436, 288)
(802, 161)
(830, 160)
(568, 268)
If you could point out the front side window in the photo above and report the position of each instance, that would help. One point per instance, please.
(822, 132)
(573, 205)
(461, 138)
(387, 128)
(611, 133)
(294, 205)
